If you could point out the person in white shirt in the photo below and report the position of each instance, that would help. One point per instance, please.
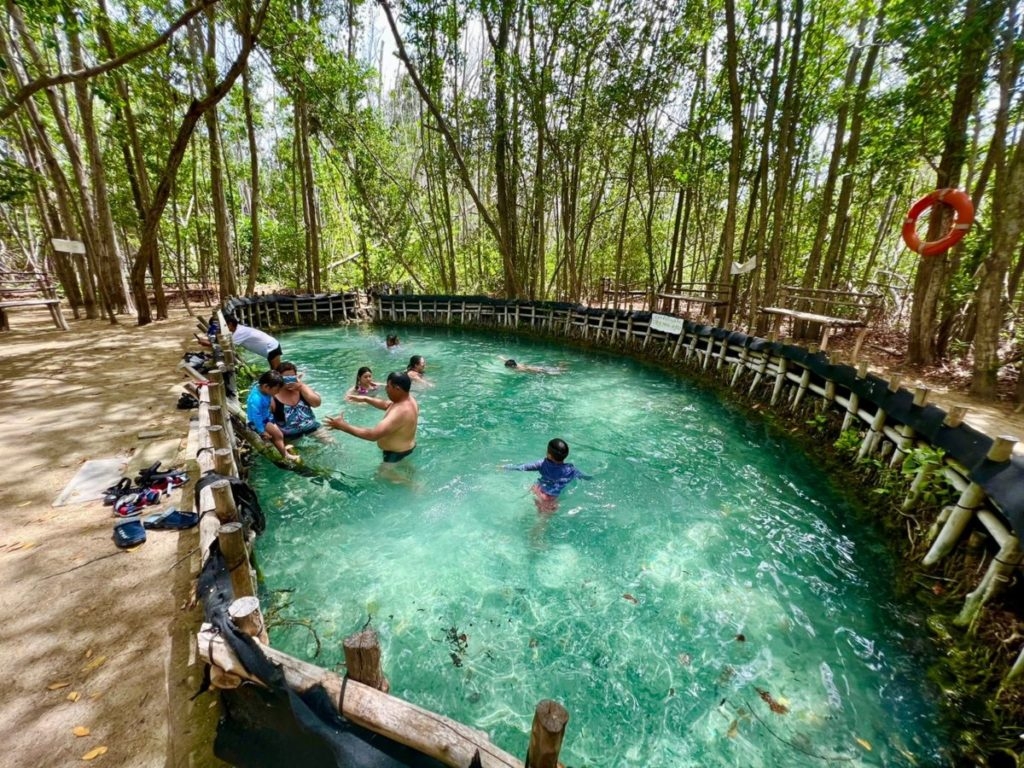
(253, 339)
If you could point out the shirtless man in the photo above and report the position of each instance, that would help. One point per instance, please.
(395, 434)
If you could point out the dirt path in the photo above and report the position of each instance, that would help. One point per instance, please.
(94, 637)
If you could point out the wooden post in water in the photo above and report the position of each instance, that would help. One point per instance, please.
(231, 537)
(224, 501)
(362, 660)
(971, 498)
(546, 736)
(245, 614)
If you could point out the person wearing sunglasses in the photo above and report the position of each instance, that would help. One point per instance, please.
(293, 405)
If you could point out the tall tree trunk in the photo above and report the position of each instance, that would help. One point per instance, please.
(1007, 217)
(932, 278)
(108, 257)
(504, 154)
(810, 276)
(250, 26)
(93, 243)
(838, 238)
(254, 182)
(736, 145)
(760, 193)
(789, 118)
(227, 281)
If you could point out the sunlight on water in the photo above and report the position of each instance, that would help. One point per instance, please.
(705, 577)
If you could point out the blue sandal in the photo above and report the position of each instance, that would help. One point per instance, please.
(129, 533)
(171, 520)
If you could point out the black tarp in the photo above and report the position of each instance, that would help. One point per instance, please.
(274, 726)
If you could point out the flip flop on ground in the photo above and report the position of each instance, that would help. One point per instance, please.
(171, 520)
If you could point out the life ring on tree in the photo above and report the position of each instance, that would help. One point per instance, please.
(960, 203)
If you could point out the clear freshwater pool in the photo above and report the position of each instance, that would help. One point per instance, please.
(708, 599)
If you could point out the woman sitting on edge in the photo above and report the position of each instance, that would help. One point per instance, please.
(293, 405)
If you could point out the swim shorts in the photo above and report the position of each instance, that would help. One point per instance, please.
(393, 457)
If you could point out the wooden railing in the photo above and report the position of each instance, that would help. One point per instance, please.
(30, 288)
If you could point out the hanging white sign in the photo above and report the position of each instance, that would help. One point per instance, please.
(68, 246)
(666, 323)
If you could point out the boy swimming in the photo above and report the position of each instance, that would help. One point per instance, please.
(555, 475)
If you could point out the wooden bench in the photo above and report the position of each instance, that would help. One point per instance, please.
(808, 308)
(30, 288)
(680, 296)
(622, 295)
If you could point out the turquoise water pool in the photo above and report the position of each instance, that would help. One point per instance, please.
(706, 599)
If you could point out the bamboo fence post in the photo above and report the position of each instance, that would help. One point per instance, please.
(805, 382)
(218, 435)
(224, 501)
(780, 379)
(245, 614)
(906, 433)
(217, 396)
(362, 659)
(874, 435)
(953, 419)
(224, 462)
(231, 537)
(740, 366)
(760, 370)
(853, 403)
(216, 415)
(996, 577)
(971, 498)
(546, 736)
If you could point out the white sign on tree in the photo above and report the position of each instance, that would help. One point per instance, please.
(68, 246)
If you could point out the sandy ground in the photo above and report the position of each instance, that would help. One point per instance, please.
(94, 637)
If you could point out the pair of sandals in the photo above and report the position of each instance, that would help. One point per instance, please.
(131, 531)
(131, 504)
(164, 480)
(150, 483)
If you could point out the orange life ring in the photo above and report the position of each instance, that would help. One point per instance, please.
(960, 203)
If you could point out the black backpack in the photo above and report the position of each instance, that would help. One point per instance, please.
(246, 501)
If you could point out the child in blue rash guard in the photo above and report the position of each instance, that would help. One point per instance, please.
(555, 475)
(258, 412)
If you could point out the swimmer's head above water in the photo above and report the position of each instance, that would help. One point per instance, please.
(510, 363)
(558, 449)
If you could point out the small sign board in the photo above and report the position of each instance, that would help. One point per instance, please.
(68, 246)
(666, 323)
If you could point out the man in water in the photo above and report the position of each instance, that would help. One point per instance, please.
(524, 368)
(417, 368)
(395, 433)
